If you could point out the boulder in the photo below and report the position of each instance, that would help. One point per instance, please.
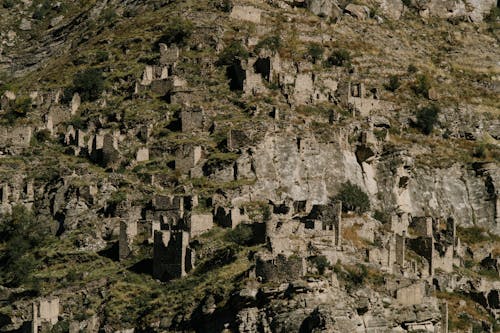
(25, 25)
(392, 9)
(56, 20)
(324, 8)
(358, 11)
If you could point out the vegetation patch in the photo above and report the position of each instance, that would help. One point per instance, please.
(353, 198)
(427, 118)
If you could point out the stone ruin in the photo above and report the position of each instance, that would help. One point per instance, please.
(103, 149)
(192, 119)
(161, 79)
(198, 223)
(246, 13)
(356, 99)
(172, 256)
(231, 217)
(301, 227)
(170, 227)
(15, 137)
(236, 139)
(45, 314)
(16, 192)
(412, 294)
(187, 158)
(280, 268)
(439, 248)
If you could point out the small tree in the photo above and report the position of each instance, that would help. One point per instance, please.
(20, 236)
(315, 51)
(89, 84)
(422, 85)
(321, 263)
(412, 69)
(427, 118)
(242, 234)
(233, 51)
(178, 31)
(223, 5)
(393, 83)
(8, 3)
(353, 198)
(272, 43)
(339, 57)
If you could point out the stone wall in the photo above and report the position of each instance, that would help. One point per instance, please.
(411, 295)
(246, 13)
(172, 257)
(19, 136)
(187, 157)
(198, 223)
(128, 231)
(192, 119)
(45, 314)
(280, 268)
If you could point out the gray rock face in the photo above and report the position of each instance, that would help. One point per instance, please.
(25, 25)
(302, 169)
(358, 11)
(325, 8)
(288, 166)
(475, 10)
(453, 192)
(392, 8)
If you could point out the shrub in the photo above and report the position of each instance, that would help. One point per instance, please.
(315, 51)
(493, 15)
(339, 57)
(473, 235)
(117, 197)
(382, 216)
(42, 135)
(407, 3)
(412, 69)
(353, 276)
(242, 234)
(109, 16)
(321, 263)
(101, 56)
(266, 213)
(77, 122)
(231, 53)
(224, 5)
(393, 83)
(427, 118)
(178, 31)
(20, 236)
(8, 3)
(42, 10)
(272, 43)
(480, 151)
(89, 84)
(22, 106)
(353, 198)
(422, 86)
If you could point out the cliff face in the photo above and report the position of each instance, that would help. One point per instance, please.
(249, 166)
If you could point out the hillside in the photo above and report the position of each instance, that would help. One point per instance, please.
(249, 166)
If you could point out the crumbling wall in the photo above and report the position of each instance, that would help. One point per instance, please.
(411, 295)
(198, 223)
(246, 13)
(280, 268)
(172, 257)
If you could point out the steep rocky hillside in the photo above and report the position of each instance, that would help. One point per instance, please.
(249, 166)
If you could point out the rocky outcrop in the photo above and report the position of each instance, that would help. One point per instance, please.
(474, 10)
(325, 8)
